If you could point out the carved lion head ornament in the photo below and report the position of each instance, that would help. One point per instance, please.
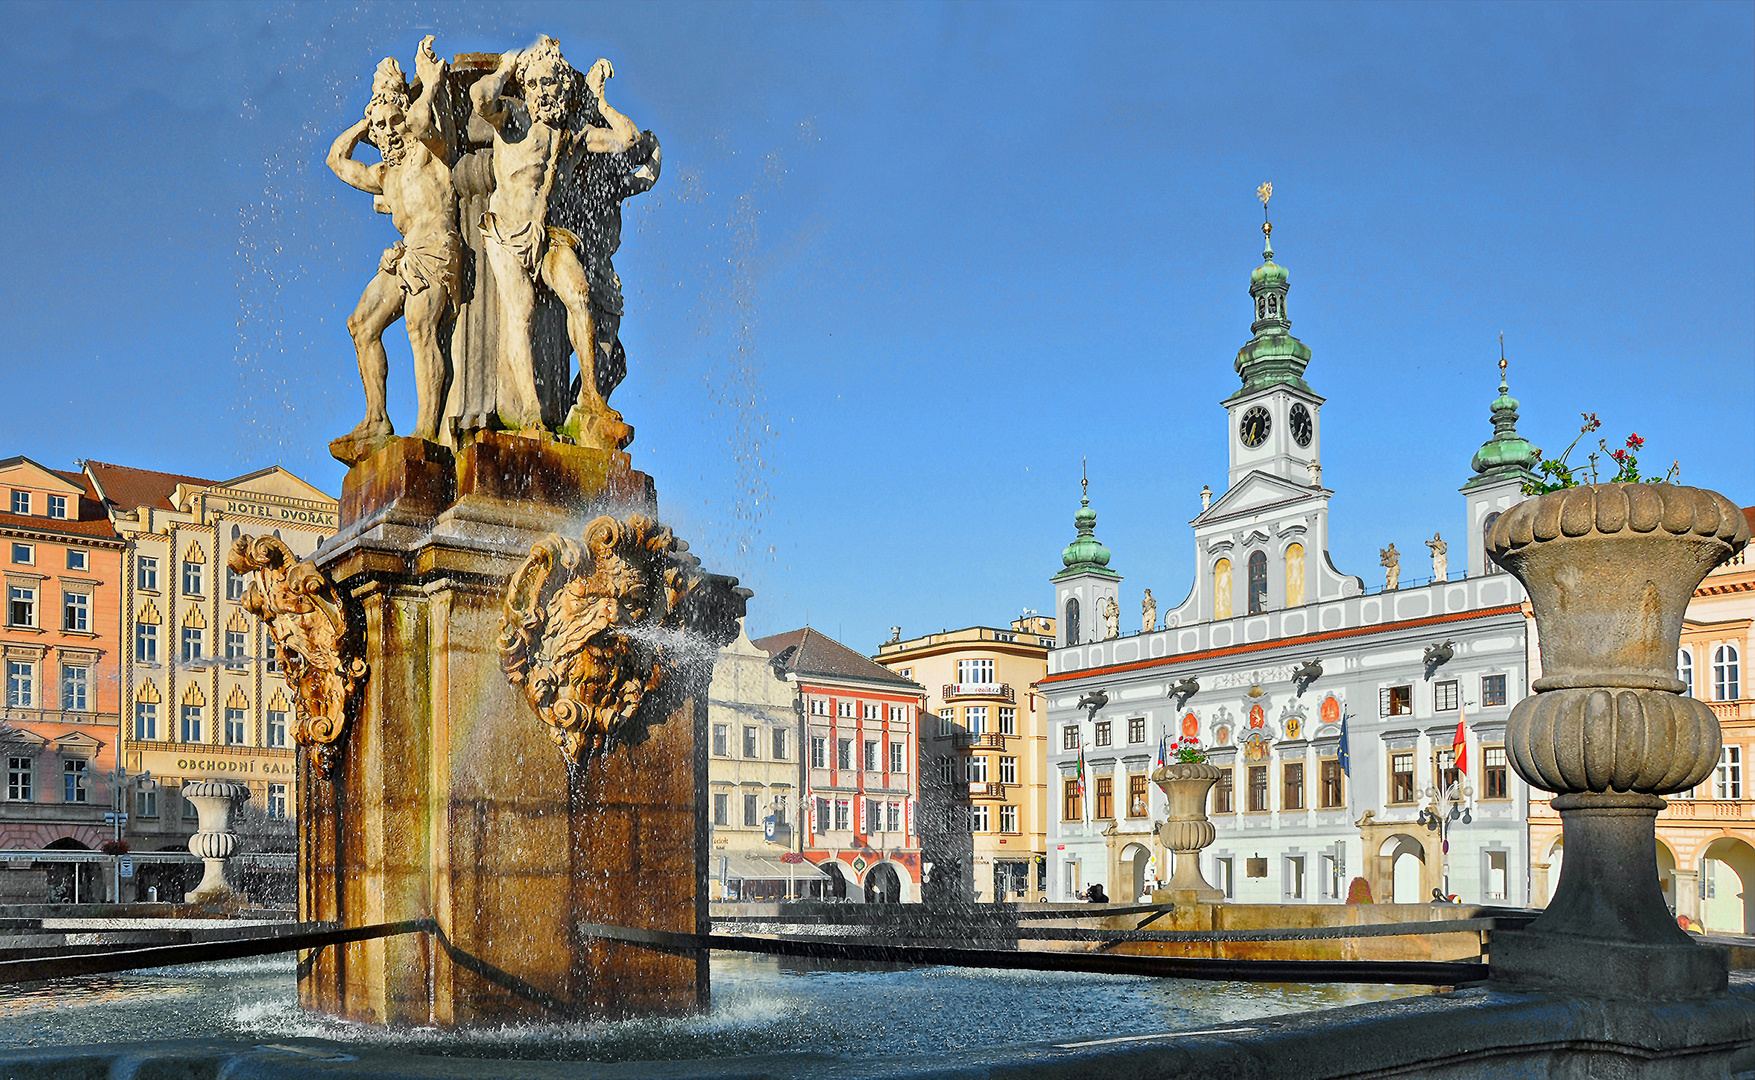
(596, 631)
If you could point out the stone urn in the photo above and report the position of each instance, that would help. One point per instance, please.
(1187, 830)
(214, 841)
(1610, 569)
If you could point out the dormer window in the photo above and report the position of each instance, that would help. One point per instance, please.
(21, 502)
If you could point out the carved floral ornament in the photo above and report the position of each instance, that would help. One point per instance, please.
(596, 631)
(319, 653)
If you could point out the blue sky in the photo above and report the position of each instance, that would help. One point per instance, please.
(908, 264)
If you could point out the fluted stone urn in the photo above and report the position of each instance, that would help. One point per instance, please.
(1187, 830)
(1610, 569)
(214, 841)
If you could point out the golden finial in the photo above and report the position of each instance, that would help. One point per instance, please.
(1502, 361)
(1264, 193)
(1084, 479)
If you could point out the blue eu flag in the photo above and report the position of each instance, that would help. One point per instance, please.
(1346, 758)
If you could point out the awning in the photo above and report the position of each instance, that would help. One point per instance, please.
(742, 866)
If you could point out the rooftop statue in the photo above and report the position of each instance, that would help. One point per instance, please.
(1391, 561)
(1440, 558)
(417, 279)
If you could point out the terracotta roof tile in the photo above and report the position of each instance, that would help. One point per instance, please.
(128, 488)
(819, 654)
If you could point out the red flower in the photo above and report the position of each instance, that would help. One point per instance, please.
(1620, 456)
(1634, 442)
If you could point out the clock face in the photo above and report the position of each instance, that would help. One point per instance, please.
(1301, 427)
(1254, 429)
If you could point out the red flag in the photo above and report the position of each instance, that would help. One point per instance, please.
(1461, 746)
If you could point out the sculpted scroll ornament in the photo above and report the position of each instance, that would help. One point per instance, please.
(319, 653)
(596, 631)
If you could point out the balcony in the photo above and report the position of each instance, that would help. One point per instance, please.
(955, 691)
(1726, 711)
(988, 740)
(1708, 810)
(980, 789)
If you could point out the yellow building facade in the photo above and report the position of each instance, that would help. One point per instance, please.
(985, 736)
(202, 696)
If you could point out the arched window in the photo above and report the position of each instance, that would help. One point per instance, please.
(1072, 620)
(1726, 685)
(1273, 304)
(1294, 575)
(1222, 589)
(1685, 670)
(1257, 582)
(1486, 528)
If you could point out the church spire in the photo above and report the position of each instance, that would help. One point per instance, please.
(1273, 356)
(1507, 453)
(1086, 554)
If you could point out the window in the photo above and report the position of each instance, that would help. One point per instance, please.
(73, 686)
(1136, 730)
(820, 816)
(21, 502)
(844, 753)
(895, 817)
(145, 720)
(1072, 620)
(974, 671)
(1102, 733)
(1493, 772)
(234, 584)
(946, 767)
(1137, 802)
(1492, 690)
(873, 712)
(1258, 789)
(721, 808)
(272, 658)
(749, 742)
(21, 684)
(192, 573)
(73, 781)
(1331, 783)
(1292, 786)
(843, 813)
(276, 802)
(779, 744)
(1444, 767)
(1222, 869)
(1069, 737)
(192, 723)
(276, 727)
(146, 574)
(819, 752)
(975, 769)
(1331, 877)
(720, 737)
(874, 817)
(1730, 773)
(146, 802)
(947, 723)
(19, 778)
(899, 713)
(1008, 720)
(78, 560)
(24, 553)
(1726, 686)
(58, 506)
(1444, 696)
(819, 706)
(975, 719)
(898, 757)
(1401, 777)
(75, 612)
(750, 813)
(844, 708)
(192, 644)
(1257, 582)
(1496, 863)
(1008, 770)
(1685, 671)
(1008, 819)
(1295, 877)
(146, 643)
(1071, 810)
(1106, 797)
(979, 820)
(1225, 794)
(234, 648)
(1395, 701)
(21, 605)
(873, 763)
(234, 727)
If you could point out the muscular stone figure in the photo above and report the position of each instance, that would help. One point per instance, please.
(546, 152)
(417, 279)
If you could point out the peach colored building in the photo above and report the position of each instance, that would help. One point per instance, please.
(1706, 838)
(62, 562)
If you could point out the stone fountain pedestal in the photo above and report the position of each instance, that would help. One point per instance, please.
(447, 798)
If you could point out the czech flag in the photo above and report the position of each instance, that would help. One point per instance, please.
(1163, 750)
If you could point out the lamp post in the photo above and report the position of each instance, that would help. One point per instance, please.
(1447, 808)
(120, 782)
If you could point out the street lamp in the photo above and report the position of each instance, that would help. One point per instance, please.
(1445, 810)
(120, 782)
